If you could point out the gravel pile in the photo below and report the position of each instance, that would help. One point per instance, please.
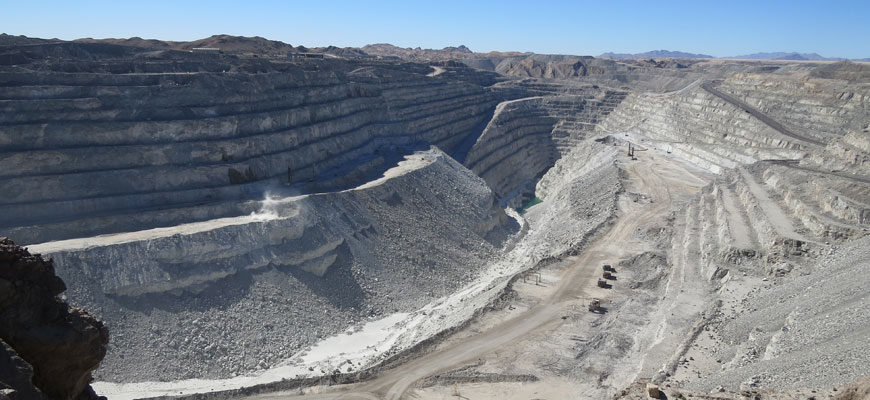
(579, 194)
(402, 241)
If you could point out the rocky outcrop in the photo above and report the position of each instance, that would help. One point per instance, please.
(529, 67)
(16, 376)
(40, 334)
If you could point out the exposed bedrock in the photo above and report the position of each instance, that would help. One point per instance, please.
(823, 109)
(698, 126)
(782, 246)
(226, 296)
(47, 350)
(92, 153)
(701, 128)
(770, 219)
(526, 136)
(851, 153)
(516, 147)
(605, 72)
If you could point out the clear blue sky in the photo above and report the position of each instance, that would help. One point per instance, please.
(721, 28)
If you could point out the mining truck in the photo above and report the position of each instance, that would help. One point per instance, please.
(594, 305)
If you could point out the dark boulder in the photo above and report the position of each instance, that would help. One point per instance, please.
(61, 345)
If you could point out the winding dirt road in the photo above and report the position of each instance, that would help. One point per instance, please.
(758, 114)
(653, 174)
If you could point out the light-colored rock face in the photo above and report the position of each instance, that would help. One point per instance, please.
(825, 109)
(766, 234)
(525, 137)
(701, 128)
(696, 124)
(178, 299)
(152, 186)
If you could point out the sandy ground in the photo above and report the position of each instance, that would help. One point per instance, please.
(549, 316)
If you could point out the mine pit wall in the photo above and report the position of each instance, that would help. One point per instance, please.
(831, 207)
(700, 128)
(823, 109)
(76, 147)
(515, 148)
(736, 231)
(235, 298)
(526, 136)
(852, 152)
(803, 251)
(705, 130)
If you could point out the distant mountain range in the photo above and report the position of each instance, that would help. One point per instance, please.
(779, 55)
(787, 56)
(264, 46)
(654, 54)
(418, 54)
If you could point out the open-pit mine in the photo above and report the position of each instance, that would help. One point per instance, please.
(277, 223)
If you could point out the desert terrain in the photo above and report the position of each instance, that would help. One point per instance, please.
(278, 222)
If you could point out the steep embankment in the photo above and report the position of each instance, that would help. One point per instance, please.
(270, 284)
(525, 137)
(822, 109)
(143, 173)
(579, 197)
(516, 147)
(699, 126)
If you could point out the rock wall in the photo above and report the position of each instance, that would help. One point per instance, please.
(852, 153)
(526, 136)
(824, 109)
(701, 128)
(601, 71)
(579, 197)
(91, 153)
(516, 147)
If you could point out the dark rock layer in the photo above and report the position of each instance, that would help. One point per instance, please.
(47, 349)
